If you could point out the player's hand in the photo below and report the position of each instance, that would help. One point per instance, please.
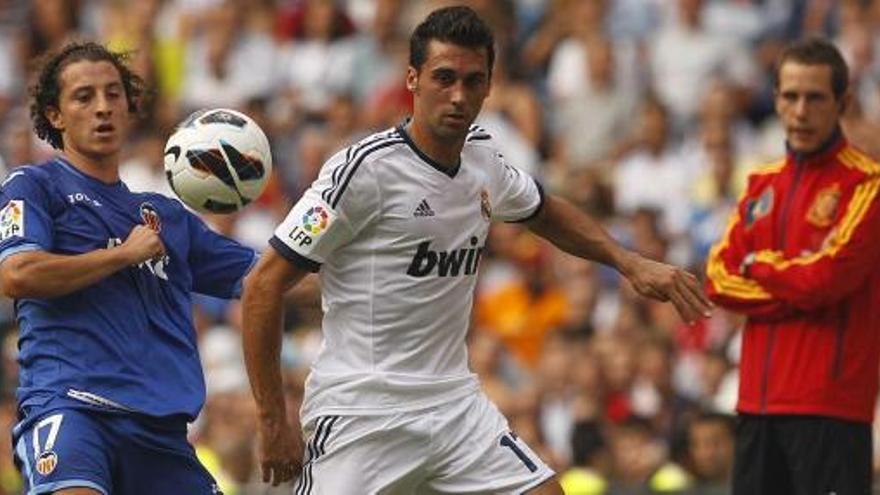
(280, 451)
(142, 244)
(670, 283)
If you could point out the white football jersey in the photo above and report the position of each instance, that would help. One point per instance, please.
(398, 240)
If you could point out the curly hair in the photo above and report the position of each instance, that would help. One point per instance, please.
(46, 90)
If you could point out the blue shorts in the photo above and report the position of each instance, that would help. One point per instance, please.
(108, 452)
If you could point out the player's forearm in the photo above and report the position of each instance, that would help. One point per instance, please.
(576, 233)
(38, 274)
(262, 320)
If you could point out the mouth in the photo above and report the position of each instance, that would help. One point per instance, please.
(801, 133)
(455, 117)
(105, 130)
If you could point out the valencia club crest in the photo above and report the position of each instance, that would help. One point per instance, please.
(150, 216)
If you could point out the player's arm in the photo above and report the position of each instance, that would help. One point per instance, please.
(848, 258)
(576, 233)
(726, 283)
(262, 308)
(40, 274)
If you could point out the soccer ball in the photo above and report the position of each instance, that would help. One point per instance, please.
(218, 160)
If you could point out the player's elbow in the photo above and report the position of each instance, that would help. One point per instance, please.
(14, 282)
(258, 285)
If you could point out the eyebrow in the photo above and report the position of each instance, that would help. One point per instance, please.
(111, 85)
(440, 70)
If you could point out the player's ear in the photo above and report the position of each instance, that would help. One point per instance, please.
(846, 100)
(53, 115)
(412, 79)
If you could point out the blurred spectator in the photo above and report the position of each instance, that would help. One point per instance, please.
(230, 39)
(378, 52)
(314, 62)
(590, 461)
(686, 56)
(710, 453)
(654, 156)
(640, 462)
(512, 113)
(569, 67)
(590, 123)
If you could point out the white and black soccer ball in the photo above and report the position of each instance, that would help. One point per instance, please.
(218, 160)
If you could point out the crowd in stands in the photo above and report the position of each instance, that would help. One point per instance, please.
(648, 114)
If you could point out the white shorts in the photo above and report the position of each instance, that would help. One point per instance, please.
(462, 447)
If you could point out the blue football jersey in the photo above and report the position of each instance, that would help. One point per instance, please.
(128, 341)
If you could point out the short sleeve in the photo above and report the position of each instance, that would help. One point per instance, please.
(218, 264)
(339, 204)
(25, 222)
(520, 197)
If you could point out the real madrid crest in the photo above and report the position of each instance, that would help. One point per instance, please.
(823, 210)
(485, 205)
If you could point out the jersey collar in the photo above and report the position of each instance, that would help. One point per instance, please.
(829, 148)
(450, 172)
(65, 164)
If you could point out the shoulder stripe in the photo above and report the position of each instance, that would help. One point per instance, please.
(350, 155)
(476, 132)
(769, 168)
(338, 189)
(852, 158)
(17, 173)
(863, 197)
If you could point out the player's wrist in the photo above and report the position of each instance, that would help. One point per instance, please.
(626, 262)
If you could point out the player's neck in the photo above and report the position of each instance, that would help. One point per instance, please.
(104, 169)
(444, 153)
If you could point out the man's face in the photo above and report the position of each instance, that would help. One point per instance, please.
(711, 449)
(92, 112)
(449, 89)
(806, 104)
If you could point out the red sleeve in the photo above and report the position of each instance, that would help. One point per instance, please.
(830, 275)
(724, 284)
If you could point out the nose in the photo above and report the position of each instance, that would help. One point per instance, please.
(103, 107)
(800, 108)
(456, 95)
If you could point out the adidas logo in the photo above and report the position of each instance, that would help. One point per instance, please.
(423, 210)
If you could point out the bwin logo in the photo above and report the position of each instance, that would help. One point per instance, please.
(448, 263)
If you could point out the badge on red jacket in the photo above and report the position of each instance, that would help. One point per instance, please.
(823, 210)
(759, 208)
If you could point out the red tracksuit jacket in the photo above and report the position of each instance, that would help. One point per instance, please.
(801, 259)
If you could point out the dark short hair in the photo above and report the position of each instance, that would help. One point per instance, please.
(817, 51)
(458, 25)
(713, 417)
(46, 89)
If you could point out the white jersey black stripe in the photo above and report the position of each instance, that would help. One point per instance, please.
(351, 155)
(396, 280)
(316, 449)
(346, 176)
(477, 133)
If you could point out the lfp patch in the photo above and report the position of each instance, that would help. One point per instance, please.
(12, 219)
(315, 220)
(305, 225)
(47, 462)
